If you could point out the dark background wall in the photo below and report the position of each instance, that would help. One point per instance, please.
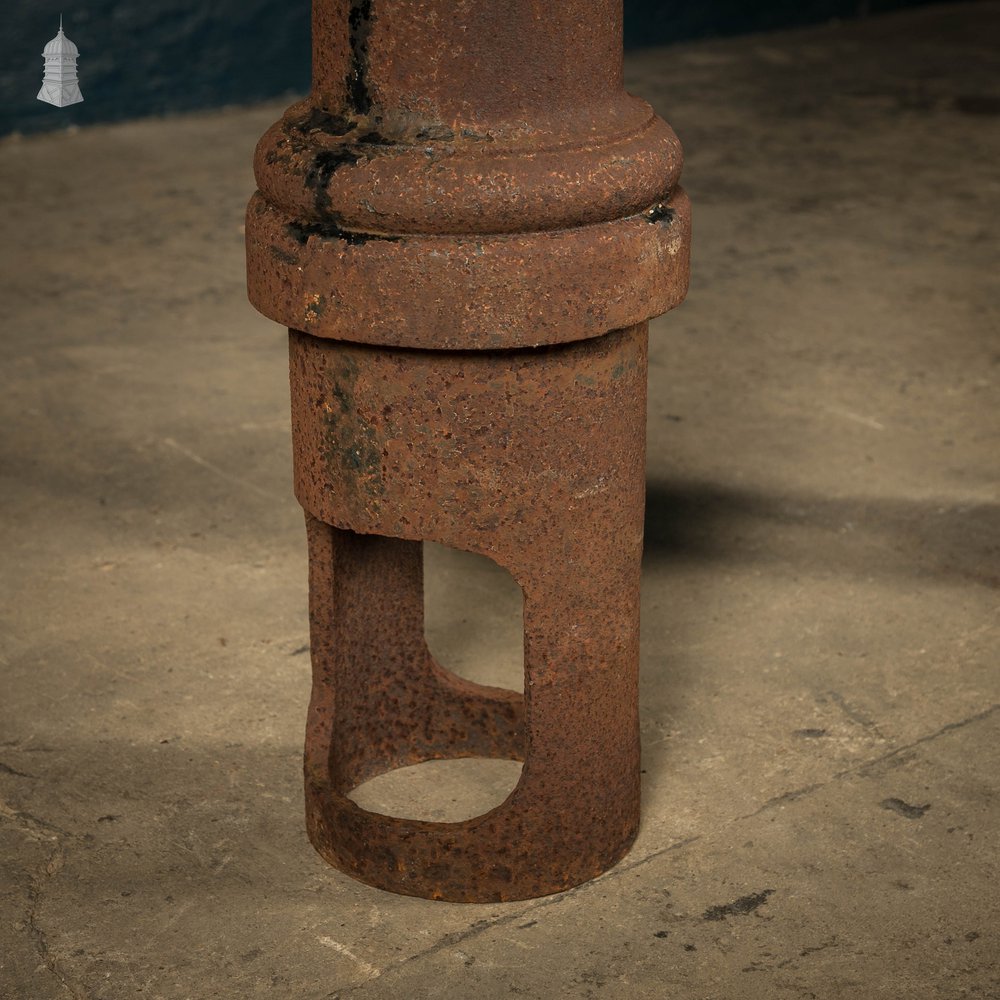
(148, 57)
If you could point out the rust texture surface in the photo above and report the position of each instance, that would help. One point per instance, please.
(466, 227)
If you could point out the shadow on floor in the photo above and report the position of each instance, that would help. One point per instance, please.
(868, 537)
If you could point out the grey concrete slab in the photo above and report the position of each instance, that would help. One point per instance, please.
(872, 884)
(820, 612)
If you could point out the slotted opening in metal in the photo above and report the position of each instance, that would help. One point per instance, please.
(474, 625)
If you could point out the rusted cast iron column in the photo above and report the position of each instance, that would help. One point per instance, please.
(466, 227)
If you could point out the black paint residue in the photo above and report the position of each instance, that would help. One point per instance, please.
(359, 22)
(301, 231)
(319, 120)
(739, 907)
(660, 213)
(283, 255)
(375, 139)
(324, 163)
(352, 448)
(904, 808)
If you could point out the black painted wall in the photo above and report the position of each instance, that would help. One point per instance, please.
(149, 57)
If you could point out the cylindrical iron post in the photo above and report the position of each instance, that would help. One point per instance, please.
(466, 227)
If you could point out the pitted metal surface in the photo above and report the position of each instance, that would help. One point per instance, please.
(490, 291)
(466, 227)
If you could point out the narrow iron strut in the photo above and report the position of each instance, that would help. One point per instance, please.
(466, 228)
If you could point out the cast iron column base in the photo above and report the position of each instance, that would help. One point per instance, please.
(466, 228)
(535, 459)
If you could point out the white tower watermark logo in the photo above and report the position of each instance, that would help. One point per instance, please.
(60, 85)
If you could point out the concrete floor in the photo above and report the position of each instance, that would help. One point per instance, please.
(821, 693)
